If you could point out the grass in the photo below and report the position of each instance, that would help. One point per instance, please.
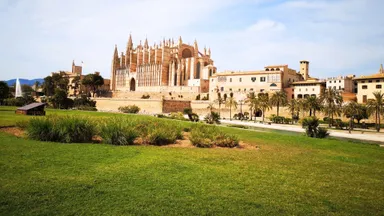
(289, 174)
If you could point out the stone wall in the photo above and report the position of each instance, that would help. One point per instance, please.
(175, 105)
(147, 106)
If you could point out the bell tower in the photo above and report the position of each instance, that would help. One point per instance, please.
(304, 69)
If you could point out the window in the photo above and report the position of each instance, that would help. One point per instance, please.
(251, 89)
(378, 86)
(239, 90)
(364, 98)
(230, 89)
(369, 81)
(299, 89)
(377, 80)
(339, 87)
(253, 79)
(245, 89)
(362, 81)
(334, 81)
(240, 79)
(306, 89)
(222, 88)
(261, 90)
(339, 81)
(230, 79)
(364, 87)
(330, 81)
(262, 79)
(313, 89)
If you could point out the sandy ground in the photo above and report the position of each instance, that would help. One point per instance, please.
(358, 135)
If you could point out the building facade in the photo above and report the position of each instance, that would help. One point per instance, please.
(367, 85)
(271, 79)
(342, 83)
(168, 67)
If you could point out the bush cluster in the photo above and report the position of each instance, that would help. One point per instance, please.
(280, 119)
(65, 129)
(205, 136)
(129, 109)
(19, 101)
(312, 129)
(212, 118)
(147, 96)
(118, 131)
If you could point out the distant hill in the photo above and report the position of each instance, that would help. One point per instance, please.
(24, 81)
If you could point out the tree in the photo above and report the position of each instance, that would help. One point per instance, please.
(250, 101)
(210, 107)
(362, 113)
(93, 81)
(231, 103)
(59, 98)
(26, 89)
(278, 99)
(48, 86)
(351, 110)
(4, 91)
(219, 101)
(313, 105)
(292, 108)
(302, 106)
(60, 80)
(264, 103)
(376, 106)
(332, 103)
(36, 85)
(75, 84)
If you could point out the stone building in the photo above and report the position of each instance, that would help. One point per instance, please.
(272, 78)
(344, 84)
(77, 71)
(366, 85)
(167, 67)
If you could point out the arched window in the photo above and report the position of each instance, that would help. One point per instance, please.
(187, 53)
(210, 72)
(273, 85)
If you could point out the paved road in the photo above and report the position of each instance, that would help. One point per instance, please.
(358, 135)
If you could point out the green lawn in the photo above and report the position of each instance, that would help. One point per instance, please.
(289, 174)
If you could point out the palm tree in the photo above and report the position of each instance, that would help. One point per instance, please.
(376, 106)
(210, 107)
(302, 106)
(231, 103)
(313, 104)
(278, 99)
(351, 111)
(292, 107)
(250, 97)
(332, 103)
(264, 103)
(36, 85)
(219, 101)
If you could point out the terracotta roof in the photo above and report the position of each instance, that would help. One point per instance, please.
(247, 73)
(379, 75)
(309, 82)
(31, 106)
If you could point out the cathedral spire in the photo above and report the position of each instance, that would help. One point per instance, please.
(146, 43)
(73, 63)
(116, 53)
(180, 41)
(129, 44)
(381, 69)
(209, 51)
(205, 50)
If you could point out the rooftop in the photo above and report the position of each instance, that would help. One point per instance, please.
(31, 106)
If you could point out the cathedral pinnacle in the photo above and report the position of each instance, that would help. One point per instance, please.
(180, 41)
(146, 44)
(381, 69)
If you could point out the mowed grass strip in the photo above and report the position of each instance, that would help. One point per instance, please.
(287, 175)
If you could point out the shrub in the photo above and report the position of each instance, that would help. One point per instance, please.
(177, 116)
(312, 129)
(287, 120)
(65, 129)
(159, 133)
(147, 96)
(86, 108)
(22, 124)
(83, 100)
(205, 136)
(118, 131)
(129, 109)
(212, 118)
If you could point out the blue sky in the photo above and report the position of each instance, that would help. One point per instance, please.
(338, 37)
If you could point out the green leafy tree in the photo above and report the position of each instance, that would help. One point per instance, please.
(36, 85)
(26, 89)
(48, 86)
(59, 99)
(278, 99)
(4, 91)
(76, 84)
(231, 103)
(219, 101)
(93, 82)
(362, 113)
(313, 104)
(332, 102)
(60, 80)
(376, 106)
(351, 110)
(264, 103)
(292, 107)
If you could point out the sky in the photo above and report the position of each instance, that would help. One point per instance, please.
(338, 37)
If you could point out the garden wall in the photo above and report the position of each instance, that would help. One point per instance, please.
(175, 105)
